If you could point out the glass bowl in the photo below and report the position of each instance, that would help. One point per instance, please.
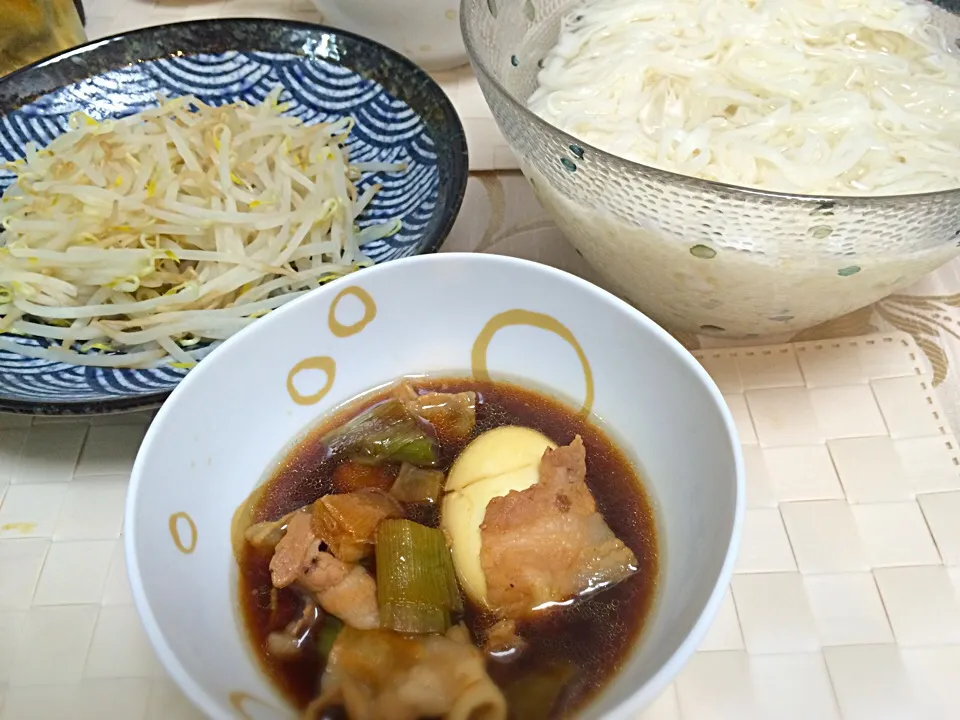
(697, 255)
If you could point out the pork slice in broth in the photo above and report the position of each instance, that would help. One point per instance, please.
(382, 675)
(346, 591)
(502, 641)
(548, 543)
(266, 535)
(286, 565)
(288, 643)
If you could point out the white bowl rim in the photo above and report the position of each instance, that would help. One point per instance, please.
(643, 695)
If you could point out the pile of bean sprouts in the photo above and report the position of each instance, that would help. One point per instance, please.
(138, 241)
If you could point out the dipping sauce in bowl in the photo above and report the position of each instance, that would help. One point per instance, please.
(553, 600)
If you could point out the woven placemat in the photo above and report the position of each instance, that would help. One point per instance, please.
(845, 603)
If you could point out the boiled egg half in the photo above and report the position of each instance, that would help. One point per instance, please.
(492, 465)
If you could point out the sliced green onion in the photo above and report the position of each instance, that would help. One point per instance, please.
(386, 432)
(416, 586)
(328, 634)
(417, 485)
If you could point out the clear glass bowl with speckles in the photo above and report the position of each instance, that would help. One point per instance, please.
(696, 255)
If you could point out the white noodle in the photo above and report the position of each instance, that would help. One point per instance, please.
(845, 97)
(143, 236)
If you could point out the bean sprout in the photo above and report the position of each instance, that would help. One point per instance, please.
(126, 243)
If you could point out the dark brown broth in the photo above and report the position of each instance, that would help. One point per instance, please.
(595, 634)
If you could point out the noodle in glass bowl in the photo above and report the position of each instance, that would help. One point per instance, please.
(700, 255)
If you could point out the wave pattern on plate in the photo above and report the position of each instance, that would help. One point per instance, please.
(387, 130)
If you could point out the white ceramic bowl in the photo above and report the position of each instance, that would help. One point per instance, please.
(231, 419)
(426, 31)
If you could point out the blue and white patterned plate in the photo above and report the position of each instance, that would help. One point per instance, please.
(401, 115)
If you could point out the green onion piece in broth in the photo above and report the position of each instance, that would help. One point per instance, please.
(328, 634)
(417, 485)
(386, 432)
(416, 586)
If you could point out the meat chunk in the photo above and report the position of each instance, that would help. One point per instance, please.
(348, 523)
(286, 565)
(549, 543)
(348, 592)
(350, 476)
(342, 589)
(452, 415)
(382, 675)
(503, 642)
(321, 570)
(287, 643)
(353, 600)
(266, 535)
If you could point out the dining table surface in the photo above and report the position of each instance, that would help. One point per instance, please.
(845, 602)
